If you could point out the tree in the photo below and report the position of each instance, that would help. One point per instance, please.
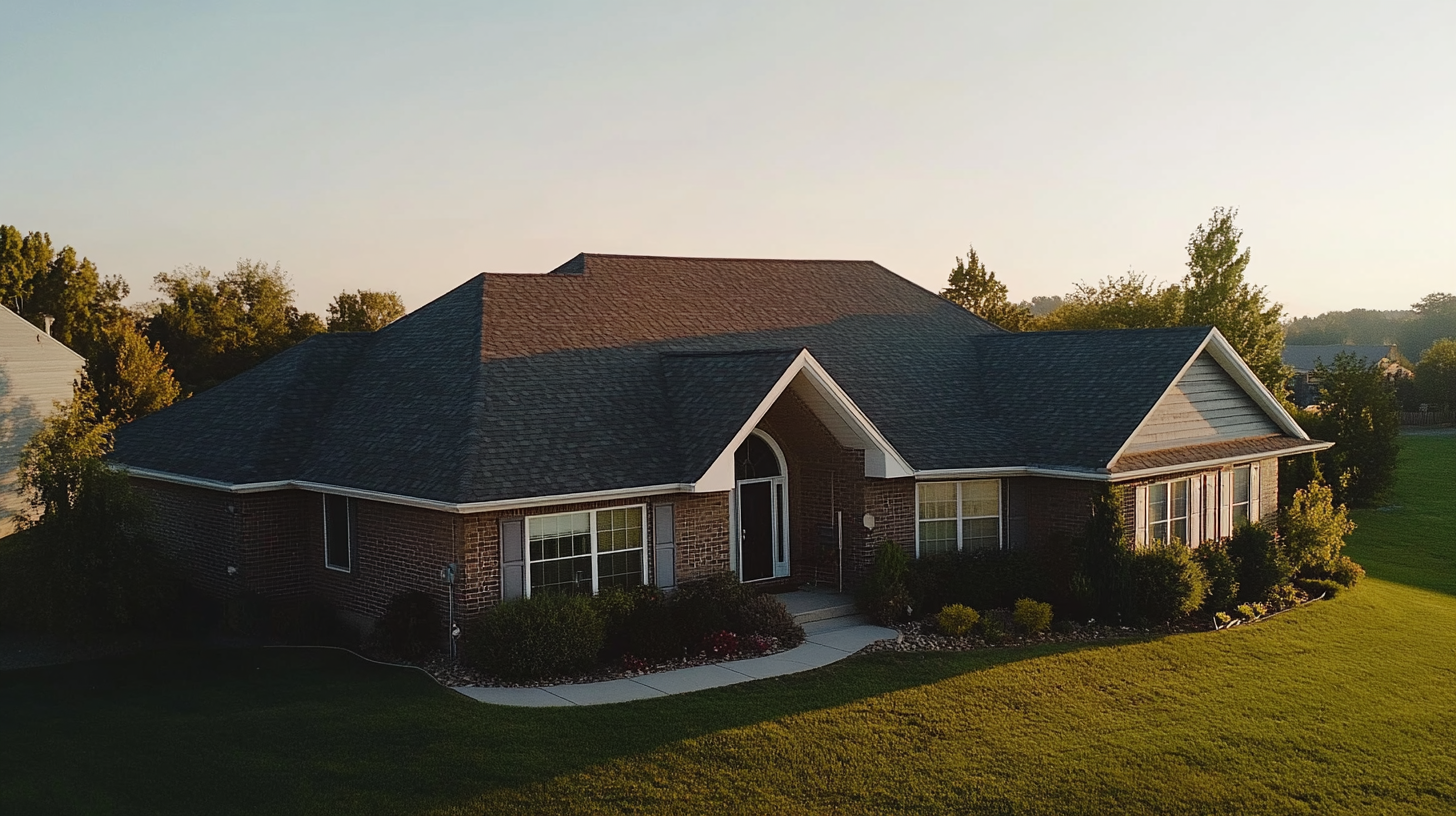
(974, 288)
(38, 282)
(130, 376)
(1132, 301)
(1215, 294)
(1313, 529)
(364, 311)
(1359, 413)
(57, 458)
(214, 329)
(1436, 373)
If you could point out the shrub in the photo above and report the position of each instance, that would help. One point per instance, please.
(1313, 530)
(721, 644)
(1260, 559)
(765, 616)
(532, 638)
(308, 620)
(1315, 587)
(957, 620)
(1222, 574)
(995, 625)
(980, 579)
(1344, 571)
(700, 608)
(883, 596)
(636, 624)
(1284, 596)
(1166, 582)
(1099, 582)
(1034, 617)
(1252, 611)
(411, 627)
(247, 615)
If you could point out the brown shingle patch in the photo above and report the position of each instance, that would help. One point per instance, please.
(1212, 451)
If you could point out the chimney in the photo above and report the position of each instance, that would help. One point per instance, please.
(48, 321)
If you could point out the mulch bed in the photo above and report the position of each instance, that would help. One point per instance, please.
(449, 671)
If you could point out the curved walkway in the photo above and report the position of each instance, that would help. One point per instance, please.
(827, 642)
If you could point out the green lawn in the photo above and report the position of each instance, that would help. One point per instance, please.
(1346, 706)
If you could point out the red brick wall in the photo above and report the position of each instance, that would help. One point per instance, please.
(396, 548)
(892, 503)
(825, 478)
(274, 532)
(1057, 512)
(200, 531)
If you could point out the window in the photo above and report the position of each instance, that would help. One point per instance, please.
(959, 516)
(338, 532)
(1242, 490)
(1168, 511)
(586, 552)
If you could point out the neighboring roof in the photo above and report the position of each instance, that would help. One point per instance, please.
(617, 372)
(1303, 358)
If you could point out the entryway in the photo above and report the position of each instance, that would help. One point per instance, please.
(763, 509)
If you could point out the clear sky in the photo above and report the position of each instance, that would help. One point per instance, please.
(408, 146)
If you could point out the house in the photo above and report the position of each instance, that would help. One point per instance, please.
(625, 420)
(36, 371)
(1305, 385)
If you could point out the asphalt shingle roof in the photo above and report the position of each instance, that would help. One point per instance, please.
(621, 371)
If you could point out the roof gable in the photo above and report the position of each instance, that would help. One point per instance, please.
(1204, 405)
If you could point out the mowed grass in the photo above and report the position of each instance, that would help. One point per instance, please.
(1346, 706)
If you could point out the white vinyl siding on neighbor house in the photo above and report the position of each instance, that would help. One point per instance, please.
(1205, 405)
(586, 552)
(1197, 508)
(951, 516)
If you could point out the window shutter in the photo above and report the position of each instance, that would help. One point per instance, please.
(1254, 514)
(664, 546)
(1195, 511)
(1225, 503)
(1140, 515)
(513, 558)
(1210, 506)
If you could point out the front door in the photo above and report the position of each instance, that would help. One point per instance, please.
(756, 530)
(762, 497)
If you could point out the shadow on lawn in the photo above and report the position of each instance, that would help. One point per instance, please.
(280, 731)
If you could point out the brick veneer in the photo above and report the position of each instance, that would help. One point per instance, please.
(892, 503)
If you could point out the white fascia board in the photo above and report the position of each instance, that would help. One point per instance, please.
(720, 475)
(950, 474)
(408, 501)
(1233, 365)
(1244, 458)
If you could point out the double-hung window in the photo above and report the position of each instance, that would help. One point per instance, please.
(1168, 511)
(338, 532)
(586, 552)
(1242, 484)
(954, 516)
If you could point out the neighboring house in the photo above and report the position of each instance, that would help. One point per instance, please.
(625, 420)
(36, 371)
(1304, 387)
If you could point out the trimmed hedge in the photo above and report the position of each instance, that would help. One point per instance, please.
(546, 635)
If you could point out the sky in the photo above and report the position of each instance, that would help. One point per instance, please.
(408, 147)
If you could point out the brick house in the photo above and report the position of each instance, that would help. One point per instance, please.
(625, 420)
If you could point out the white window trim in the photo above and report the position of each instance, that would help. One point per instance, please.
(1187, 517)
(961, 519)
(348, 532)
(592, 513)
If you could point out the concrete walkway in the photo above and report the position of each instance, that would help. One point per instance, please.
(827, 642)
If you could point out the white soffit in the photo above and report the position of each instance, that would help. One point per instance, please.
(831, 406)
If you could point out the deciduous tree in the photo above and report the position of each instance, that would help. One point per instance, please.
(1436, 373)
(1359, 413)
(130, 375)
(364, 311)
(974, 288)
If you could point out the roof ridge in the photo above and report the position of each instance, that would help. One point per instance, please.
(735, 352)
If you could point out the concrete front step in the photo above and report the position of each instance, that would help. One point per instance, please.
(811, 607)
(826, 613)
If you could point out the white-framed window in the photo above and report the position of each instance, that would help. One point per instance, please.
(951, 516)
(588, 551)
(1168, 512)
(1241, 501)
(338, 532)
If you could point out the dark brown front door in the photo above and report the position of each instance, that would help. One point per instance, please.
(756, 518)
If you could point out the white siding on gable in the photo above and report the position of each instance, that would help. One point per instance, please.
(36, 371)
(1206, 405)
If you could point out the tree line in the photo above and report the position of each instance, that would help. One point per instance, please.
(203, 329)
(1359, 405)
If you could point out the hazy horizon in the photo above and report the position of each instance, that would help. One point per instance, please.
(368, 146)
